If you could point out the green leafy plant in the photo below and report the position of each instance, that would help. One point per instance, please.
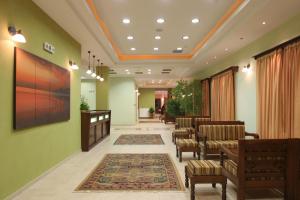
(83, 104)
(151, 110)
(173, 108)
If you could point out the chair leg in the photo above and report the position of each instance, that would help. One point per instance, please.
(180, 155)
(199, 155)
(176, 152)
(186, 178)
(224, 190)
(192, 191)
(194, 154)
(214, 185)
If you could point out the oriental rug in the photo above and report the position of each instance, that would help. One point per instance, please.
(139, 139)
(137, 172)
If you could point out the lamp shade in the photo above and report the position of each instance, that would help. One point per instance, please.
(18, 37)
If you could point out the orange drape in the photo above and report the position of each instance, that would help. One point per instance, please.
(205, 101)
(222, 97)
(278, 78)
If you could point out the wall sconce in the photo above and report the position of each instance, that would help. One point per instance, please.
(73, 65)
(246, 69)
(17, 36)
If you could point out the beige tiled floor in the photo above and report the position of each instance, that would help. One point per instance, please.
(61, 182)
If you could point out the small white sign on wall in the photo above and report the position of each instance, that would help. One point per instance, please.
(49, 47)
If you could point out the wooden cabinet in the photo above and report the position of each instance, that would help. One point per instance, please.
(95, 126)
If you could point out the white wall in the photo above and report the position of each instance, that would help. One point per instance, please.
(88, 91)
(122, 101)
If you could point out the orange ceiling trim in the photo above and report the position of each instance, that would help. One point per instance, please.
(218, 25)
(125, 57)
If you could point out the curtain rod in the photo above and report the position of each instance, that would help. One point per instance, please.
(232, 68)
(280, 46)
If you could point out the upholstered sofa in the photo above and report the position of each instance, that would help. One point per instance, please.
(212, 135)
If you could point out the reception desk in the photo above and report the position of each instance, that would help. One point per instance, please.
(95, 126)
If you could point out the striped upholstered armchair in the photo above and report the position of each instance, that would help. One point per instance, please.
(212, 136)
(183, 122)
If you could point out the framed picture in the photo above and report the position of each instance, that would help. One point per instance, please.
(41, 91)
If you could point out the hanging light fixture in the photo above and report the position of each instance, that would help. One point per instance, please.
(101, 77)
(94, 74)
(17, 36)
(73, 65)
(97, 71)
(89, 71)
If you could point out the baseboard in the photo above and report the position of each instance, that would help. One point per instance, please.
(27, 185)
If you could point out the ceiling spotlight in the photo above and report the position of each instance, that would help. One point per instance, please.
(126, 70)
(126, 21)
(132, 49)
(157, 37)
(215, 57)
(226, 49)
(130, 37)
(149, 69)
(160, 20)
(17, 36)
(149, 72)
(155, 48)
(179, 48)
(264, 23)
(185, 37)
(195, 20)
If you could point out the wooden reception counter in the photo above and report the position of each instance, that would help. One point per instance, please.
(95, 126)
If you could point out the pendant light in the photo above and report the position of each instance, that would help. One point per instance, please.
(89, 71)
(94, 74)
(97, 71)
(101, 77)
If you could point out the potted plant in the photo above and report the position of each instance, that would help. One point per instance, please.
(83, 104)
(151, 112)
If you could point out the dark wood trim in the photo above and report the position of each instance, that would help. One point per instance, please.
(232, 68)
(208, 79)
(280, 46)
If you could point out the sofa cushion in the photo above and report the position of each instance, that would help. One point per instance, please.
(204, 167)
(222, 132)
(184, 122)
(187, 143)
(230, 166)
(215, 145)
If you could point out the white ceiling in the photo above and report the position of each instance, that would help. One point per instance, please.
(77, 19)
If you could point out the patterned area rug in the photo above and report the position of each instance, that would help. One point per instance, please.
(139, 139)
(133, 172)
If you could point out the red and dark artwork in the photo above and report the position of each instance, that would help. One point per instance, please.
(42, 91)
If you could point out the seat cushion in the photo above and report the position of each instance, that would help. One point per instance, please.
(204, 167)
(187, 143)
(215, 145)
(230, 166)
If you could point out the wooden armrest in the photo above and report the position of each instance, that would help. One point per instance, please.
(255, 135)
(176, 126)
(232, 156)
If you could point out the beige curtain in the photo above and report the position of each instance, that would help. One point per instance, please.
(222, 97)
(205, 101)
(278, 77)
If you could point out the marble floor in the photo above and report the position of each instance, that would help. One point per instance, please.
(60, 182)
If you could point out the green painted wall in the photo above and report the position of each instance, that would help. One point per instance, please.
(147, 98)
(102, 90)
(26, 154)
(246, 83)
(88, 92)
(122, 101)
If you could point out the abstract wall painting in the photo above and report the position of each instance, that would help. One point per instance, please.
(42, 91)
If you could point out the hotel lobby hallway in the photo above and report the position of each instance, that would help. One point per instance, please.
(61, 182)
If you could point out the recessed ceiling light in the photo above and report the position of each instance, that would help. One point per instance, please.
(126, 70)
(207, 63)
(132, 49)
(157, 37)
(155, 48)
(149, 72)
(130, 37)
(226, 49)
(264, 23)
(185, 37)
(149, 69)
(126, 21)
(179, 48)
(195, 20)
(160, 20)
(215, 57)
